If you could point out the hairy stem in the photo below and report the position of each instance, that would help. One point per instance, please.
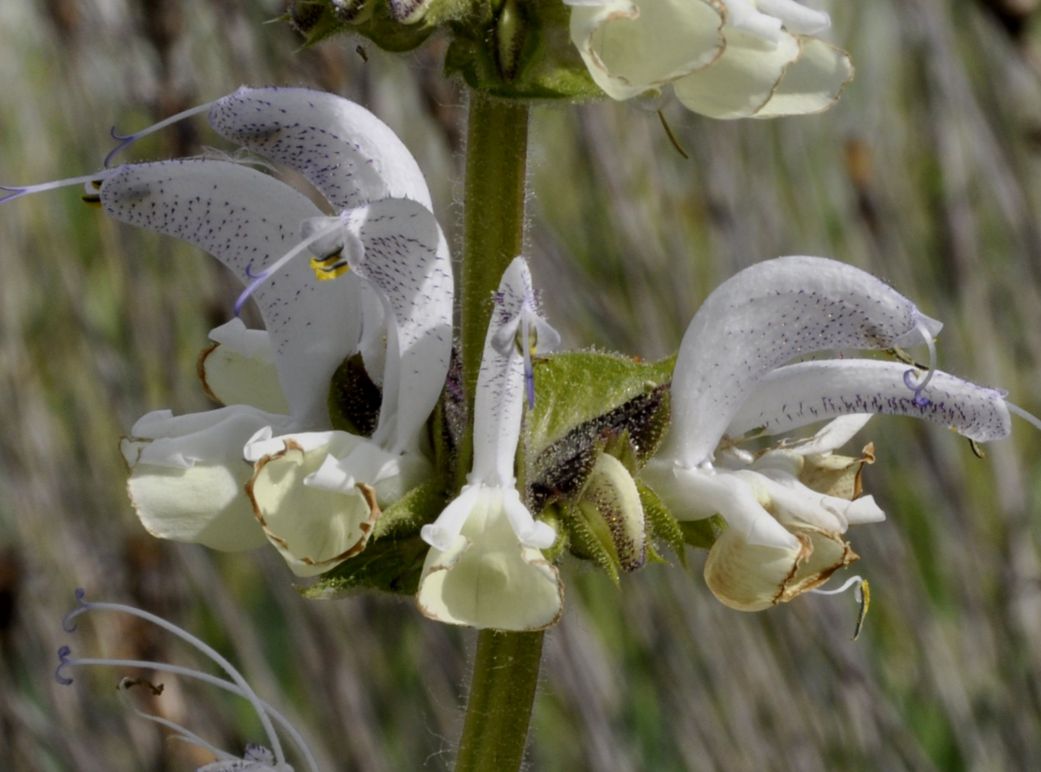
(496, 155)
(505, 674)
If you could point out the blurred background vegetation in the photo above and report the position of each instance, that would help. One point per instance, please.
(928, 173)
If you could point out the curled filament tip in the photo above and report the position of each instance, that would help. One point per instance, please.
(17, 192)
(909, 376)
(63, 662)
(68, 622)
(125, 140)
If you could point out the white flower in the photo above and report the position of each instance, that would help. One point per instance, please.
(731, 377)
(485, 568)
(394, 303)
(723, 58)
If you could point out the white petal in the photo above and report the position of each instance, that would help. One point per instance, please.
(246, 220)
(239, 368)
(803, 393)
(794, 504)
(345, 151)
(745, 17)
(499, 401)
(742, 80)
(487, 578)
(797, 18)
(812, 83)
(632, 47)
(187, 475)
(761, 318)
(405, 257)
(443, 532)
(694, 494)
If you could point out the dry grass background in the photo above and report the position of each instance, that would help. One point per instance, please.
(928, 174)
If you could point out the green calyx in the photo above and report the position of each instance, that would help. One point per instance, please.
(519, 49)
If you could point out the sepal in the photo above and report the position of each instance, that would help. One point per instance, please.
(607, 524)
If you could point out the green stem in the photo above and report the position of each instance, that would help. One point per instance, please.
(505, 674)
(496, 154)
(506, 666)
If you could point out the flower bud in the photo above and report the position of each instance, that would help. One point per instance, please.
(607, 525)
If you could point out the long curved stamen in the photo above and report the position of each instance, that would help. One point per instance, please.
(259, 278)
(69, 624)
(180, 732)
(1030, 418)
(17, 192)
(124, 141)
(861, 593)
(67, 661)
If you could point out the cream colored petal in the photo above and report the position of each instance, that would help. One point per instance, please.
(187, 476)
(743, 80)
(319, 495)
(633, 47)
(315, 529)
(238, 368)
(812, 83)
(488, 579)
(748, 577)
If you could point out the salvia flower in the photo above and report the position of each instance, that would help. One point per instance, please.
(393, 305)
(484, 567)
(256, 758)
(722, 58)
(732, 377)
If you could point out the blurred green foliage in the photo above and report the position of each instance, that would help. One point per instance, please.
(928, 173)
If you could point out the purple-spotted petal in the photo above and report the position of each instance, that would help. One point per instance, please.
(405, 257)
(803, 393)
(345, 151)
(247, 219)
(765, 316)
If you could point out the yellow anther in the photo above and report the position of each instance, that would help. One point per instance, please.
(327, 268)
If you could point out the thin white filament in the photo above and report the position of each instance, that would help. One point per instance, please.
(1030, 418)
(181, 732)
(186, 672)
(853, 580)
(204, 648)
(267, 272)
(18, 192)
(129, 139)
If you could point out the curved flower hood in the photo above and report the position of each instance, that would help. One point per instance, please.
(730, 378)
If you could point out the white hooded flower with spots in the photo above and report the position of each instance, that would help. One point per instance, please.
(485, 568)
(394, 305)
(731, 378)
(722, 58)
